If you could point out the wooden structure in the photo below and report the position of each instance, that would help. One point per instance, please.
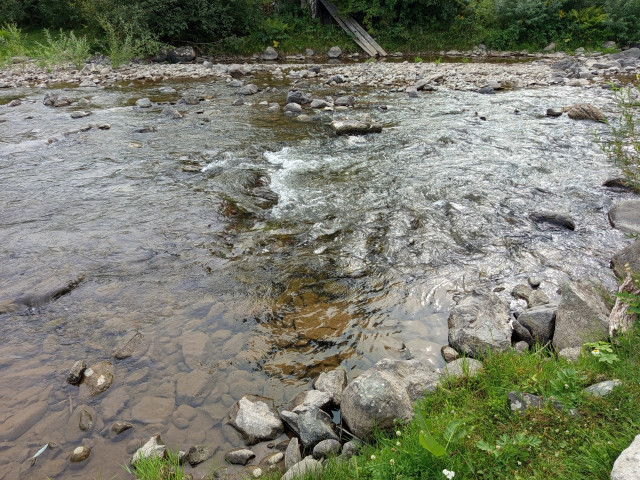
(354, 30)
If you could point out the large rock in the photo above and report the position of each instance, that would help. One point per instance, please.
(309, 399)
(181, 54)
(315, 425)
(625, 216)
(256, 419)
(628, 256)
(236, 70)
(384, 393)
(296, 96)
(154, 447)
(239, 456)
(199, 453)
(356, 126)
(333, 383)
(334, 52)
(249, 89)
(345, 101)
(302, 469)
(583, 111)
(627, 465)
(292, 454)
(326, 449)
(540, 321)
(478, 324)
(582, 316)
(270, 54)
(98, 377)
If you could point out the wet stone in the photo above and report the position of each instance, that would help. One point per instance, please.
(80, 454)
(86, 420)
(74, 376)
(119, 427)
(256, 419)
(239, 456)
(80, 114)
(14, 103)
(127, 345)
(98, 377)
(144, 103)
(199, 453)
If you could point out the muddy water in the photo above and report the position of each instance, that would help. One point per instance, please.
(253, 251)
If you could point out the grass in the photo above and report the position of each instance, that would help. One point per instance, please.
(158, 468)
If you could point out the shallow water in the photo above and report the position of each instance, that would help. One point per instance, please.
(254, 251)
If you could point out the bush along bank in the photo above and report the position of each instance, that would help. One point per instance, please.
(549, 393)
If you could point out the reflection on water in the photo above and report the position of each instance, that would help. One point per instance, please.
(254, 251)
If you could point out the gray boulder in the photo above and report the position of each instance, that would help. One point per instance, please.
(326, 449)
(292, 454)
(144, 103)
(256, 419)
(602, 389)
(199, 453)
(449, 354)
(270, 54)
(296, 96)
(293, 109)
(305, 467)
(236, 70)
(317, 103)
(519, 402)
(571, 354)
(520, 333)
(315, 425)
(181, 54)
(540, 321)
(239, 456)
(630, 255)
(625, 216)
(478, 324)
(333, 383)
(627, 465)
(154, 447)
(334, 52)
(350, 448)
(462, 367)
(345, 101)
(309, 399)
(98, 377)
(582, 315)
(249, 89)
(384, 393)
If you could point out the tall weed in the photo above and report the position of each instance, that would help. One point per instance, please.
(62, 49)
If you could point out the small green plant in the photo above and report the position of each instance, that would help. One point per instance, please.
(158, 468)
(62, 49)
(417, 60)
(370, 60)
(465, 60)
(510, 449)
(566, 387)
(453, 432)
(623, 148)
(437, 61)
(603, 351)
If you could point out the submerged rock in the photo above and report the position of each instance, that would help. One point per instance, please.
(74, 377)
(80, 454)
(256, 419)
(127, 345)
(98, 377)
(356, 127)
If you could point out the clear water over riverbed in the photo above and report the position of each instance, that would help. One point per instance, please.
(254, 251)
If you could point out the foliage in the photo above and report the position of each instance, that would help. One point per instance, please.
(12, 43)
(566, 387)
(123, 44)
(603, 351)
(158, 468)
(511, 449)
(623, 148)
(63, 48)
(454, 431)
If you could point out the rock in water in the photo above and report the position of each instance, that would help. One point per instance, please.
(355, 127)
(199, 453)
(239, 456)
(79, 454)
(625, 216)
(98, 377)
(478, 324)
(127, 345)
(154, 447)
(583, 111)
(256, 419)
(75, 374)
(249, 89)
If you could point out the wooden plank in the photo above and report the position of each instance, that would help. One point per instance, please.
(355, 30)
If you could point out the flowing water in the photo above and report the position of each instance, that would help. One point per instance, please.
(254, 251)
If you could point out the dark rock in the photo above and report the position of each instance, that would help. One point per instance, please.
(270, 54)
(488, 90)
(146, 129)
(160, 56)
(583, 111)
(52, 99)
(315, 425)
(625, 216)
(602, 389)
(74, 377)
(292, 454)
(554, 219)
(628, 257)
(119, 427)
(80, 454)
(618, 183)
(582, 315)
(449, 354)
(333, 383)
(326, 449)
(478, 324)
(236, 70)
(554, 112)
(296, 96)
(315, 69)
(128, 345)
(181, 54)
(199, 453)
(521, 333)
(256, 419)
(239, 456)
(540, 321)
(86, 420)
(249, 89)
(345, 101)
(334, 52)
(519, 402)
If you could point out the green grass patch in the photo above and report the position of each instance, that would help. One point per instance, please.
(158, 468)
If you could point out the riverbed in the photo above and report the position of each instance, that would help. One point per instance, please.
(253, 250)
